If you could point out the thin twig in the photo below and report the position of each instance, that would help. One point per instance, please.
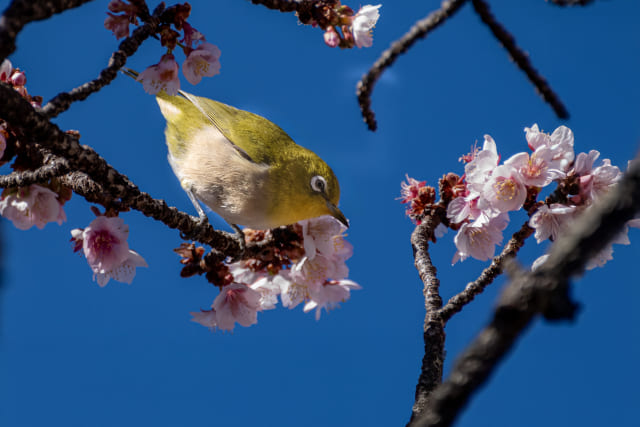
(21, 12)
(433, 360)
(128, 47)
(457, 302)
(521, 58)
(544, 291)
(419, 30)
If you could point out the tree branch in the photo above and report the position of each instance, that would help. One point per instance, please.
(571, 2)
(544, 291)
(18, 112)
(434, 336)
(419, 30)
(127, 48)
(21, 12)
(521, 58)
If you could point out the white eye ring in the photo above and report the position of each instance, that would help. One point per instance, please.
(318, 184)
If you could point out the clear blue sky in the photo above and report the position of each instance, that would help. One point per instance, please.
(74, 354)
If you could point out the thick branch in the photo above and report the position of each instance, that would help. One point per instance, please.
(434, 336)
(544, 291)
(18, 112)
(21, 12)
(419, 30)
(521, 58)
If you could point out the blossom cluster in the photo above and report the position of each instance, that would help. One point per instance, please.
(479, 202)
(342, 26)
(310, 271)
(202, 58)
(104, 244)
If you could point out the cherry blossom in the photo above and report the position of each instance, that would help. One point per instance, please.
(535, 170)
(118, 24)
(478, 239)
(331, 37)
(363, 23)
(560, 142)
(329, 294)
(104, 244)
(33, 205)
(201, 62)
(504, 191)
(236, 303)
(161, 76)
(480, 168)
(549, 221)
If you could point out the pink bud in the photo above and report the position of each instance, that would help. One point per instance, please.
(18, 79)
(331, 38)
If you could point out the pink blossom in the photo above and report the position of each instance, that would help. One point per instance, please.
(363, 23)
(535, 170)
(560, 142)
(118, 24)
(594, 182)
(462, 208)
(104, 243)
(325, 235)
(5, 71)
(411, 189)
(331, 37)
(478, 239)
(550, 221)
(33, 205)
(201, 62)
(480, 168)
(504, 191)
(205, 318)
(191, 35)
(236, 303)
(19, 79)
(269, 287)
(161, 76)
(329, 294)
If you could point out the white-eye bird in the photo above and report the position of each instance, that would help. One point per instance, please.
(243, 166)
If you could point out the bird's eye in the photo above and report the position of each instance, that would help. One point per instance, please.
(318, 184)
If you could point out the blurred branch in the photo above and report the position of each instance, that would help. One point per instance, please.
(21, 12)
(419, 30)
(571, 2)
(434, 336)
(545, 291)
(521, 58)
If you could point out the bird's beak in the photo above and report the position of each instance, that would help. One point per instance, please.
(337, 213)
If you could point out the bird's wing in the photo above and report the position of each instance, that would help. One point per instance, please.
(247, 131)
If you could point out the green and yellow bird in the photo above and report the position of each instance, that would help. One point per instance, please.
(243, 166)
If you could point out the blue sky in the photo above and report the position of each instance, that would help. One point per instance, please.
(74, 354)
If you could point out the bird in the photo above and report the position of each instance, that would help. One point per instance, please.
(242, 166)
